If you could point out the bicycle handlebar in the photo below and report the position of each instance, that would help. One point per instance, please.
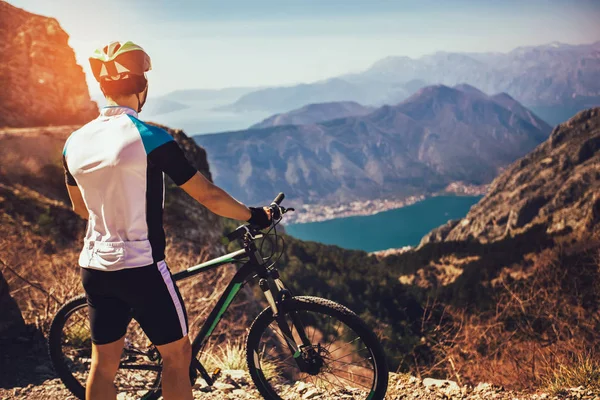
(279, 198)
(276, 212)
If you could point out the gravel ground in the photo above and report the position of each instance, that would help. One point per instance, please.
(236, 385)
(26, 373)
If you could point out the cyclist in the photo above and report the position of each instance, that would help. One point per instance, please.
(114, 169)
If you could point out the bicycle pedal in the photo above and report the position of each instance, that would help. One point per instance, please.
(216, 373)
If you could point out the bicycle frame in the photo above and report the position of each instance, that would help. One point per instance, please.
(252, 268)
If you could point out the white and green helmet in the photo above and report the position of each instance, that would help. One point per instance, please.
(119, 60)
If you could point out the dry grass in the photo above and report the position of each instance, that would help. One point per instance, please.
(583, 370)
(230, 355)
(542, 333)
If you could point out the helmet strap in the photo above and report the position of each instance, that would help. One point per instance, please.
(141, 103)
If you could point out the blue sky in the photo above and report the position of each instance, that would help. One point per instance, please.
(215, 44)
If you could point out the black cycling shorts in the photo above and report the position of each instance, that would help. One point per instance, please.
(147, 294)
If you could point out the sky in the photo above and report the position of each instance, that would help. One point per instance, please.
(231, 43)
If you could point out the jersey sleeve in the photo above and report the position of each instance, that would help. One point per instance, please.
(164, 152)
(170, 159)
(69, 180)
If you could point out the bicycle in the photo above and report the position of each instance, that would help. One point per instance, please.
(291, 340)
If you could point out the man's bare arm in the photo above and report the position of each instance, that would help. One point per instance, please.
(77, 202)
(215, 199)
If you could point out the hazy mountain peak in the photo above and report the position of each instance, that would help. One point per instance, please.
(464, 87)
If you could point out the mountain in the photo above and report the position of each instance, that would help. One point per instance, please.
(555, 79)
(288, 98)
(284, 99)
(40, 80)
(314, 113)
(555, 188)
(438, 136)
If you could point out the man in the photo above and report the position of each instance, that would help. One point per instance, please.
(114, 169)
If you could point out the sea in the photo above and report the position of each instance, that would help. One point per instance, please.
(388, 229)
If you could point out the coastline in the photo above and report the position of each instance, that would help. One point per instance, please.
(317, 213)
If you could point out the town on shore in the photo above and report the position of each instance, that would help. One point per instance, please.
(321, 212)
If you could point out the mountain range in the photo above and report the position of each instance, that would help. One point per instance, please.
(555, 79)
(438, 136)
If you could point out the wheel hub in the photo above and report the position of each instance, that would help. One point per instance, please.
(313, 358)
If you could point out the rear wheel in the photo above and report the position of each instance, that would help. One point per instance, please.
(315, 345)
(70, 348)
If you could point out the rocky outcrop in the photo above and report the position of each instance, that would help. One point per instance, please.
(40, 79)
(11, 320)
(557, 187)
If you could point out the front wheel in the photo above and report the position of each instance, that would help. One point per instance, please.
(315, 345)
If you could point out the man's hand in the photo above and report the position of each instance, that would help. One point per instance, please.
(261, 217)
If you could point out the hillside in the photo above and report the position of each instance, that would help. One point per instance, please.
(313, 113)
(513, 305)
(40, 80)
(557, 79)
(438, 136)
(556, 187)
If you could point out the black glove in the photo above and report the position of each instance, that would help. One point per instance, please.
(259, 217)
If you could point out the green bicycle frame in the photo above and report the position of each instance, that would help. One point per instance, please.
(251, 268)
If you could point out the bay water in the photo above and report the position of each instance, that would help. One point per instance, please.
(389, 229)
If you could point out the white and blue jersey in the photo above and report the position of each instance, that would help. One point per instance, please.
(118, 161)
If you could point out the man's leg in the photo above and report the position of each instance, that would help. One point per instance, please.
(177, 357)
(105, 363)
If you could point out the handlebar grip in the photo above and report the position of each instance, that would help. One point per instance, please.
(279, 198)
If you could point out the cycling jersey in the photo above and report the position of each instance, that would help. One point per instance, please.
(117, 161)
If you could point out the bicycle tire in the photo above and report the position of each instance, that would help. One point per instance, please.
(319, 306)
(59, 360)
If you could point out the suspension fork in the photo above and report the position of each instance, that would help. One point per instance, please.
(282, 294)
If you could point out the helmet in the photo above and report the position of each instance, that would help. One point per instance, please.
(120, 67)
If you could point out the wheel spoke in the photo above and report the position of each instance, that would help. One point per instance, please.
(344, 345)
(353, 372)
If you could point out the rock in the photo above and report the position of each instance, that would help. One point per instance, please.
(11, 320)
(224, 387)
(40, 79)
(310, 394)
(301, 387)
(441, 383)
(482, 387)
(240, 393)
